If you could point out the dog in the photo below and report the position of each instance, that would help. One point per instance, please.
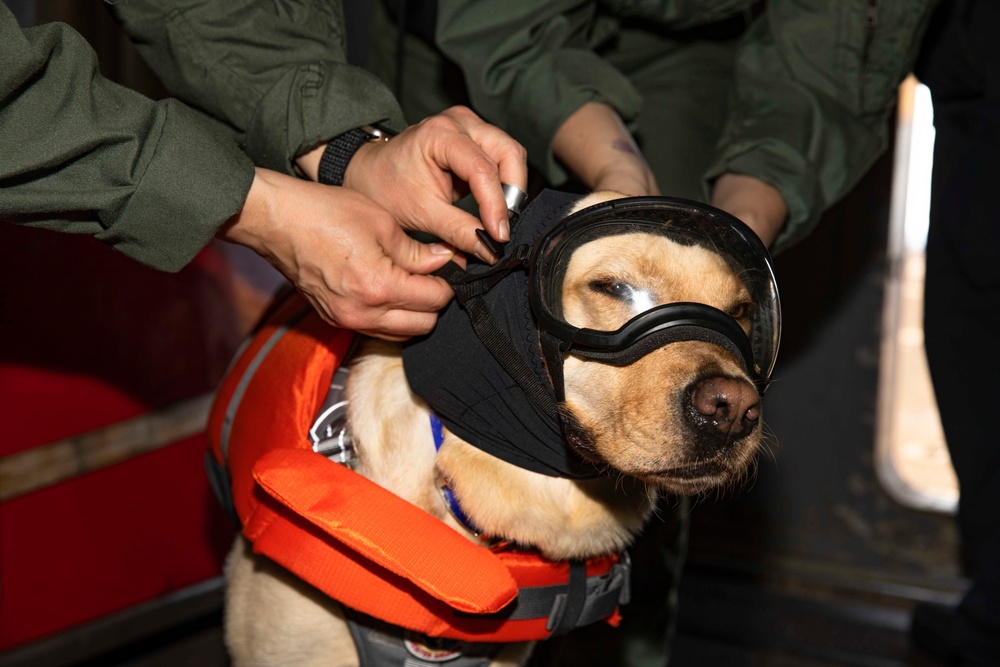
(682, 419)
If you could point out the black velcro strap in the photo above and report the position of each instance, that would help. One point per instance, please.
(468, 284)
(566, 612)
(451, 272)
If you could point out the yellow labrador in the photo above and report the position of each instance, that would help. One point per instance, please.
(683, 418)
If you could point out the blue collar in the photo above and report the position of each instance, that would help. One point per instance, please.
(437, 429)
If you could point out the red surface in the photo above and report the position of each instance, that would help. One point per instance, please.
(89, 338)
(39, 405)
(106, 541)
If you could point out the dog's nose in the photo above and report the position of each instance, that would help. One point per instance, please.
(724, 407)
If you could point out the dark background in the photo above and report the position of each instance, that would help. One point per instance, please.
(808, 563)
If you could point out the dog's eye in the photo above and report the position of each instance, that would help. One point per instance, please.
(636, 299)
(740, 311)
(618, 290)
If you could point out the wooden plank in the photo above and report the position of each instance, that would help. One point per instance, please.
(39, 467)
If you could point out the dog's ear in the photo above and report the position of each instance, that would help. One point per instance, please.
(597, 198)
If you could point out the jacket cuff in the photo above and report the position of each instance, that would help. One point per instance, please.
(782, 167)
(196, 181)
(312, 104)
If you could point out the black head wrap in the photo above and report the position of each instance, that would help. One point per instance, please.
(469, 390)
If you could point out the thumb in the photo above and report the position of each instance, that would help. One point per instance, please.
(415, 257)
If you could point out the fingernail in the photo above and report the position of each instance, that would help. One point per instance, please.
(442, 249)
(504, 230)
(484, 254)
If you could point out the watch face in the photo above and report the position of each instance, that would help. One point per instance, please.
(376, 133)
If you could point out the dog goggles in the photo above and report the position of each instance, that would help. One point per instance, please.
(654, 321)
(515, 312)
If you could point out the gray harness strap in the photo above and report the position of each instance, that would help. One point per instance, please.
(382, 645)
(584, 600)
(581, 601)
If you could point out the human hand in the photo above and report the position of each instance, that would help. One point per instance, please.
(595, 145)
(419, 174)
(346, 254)
(753, 201)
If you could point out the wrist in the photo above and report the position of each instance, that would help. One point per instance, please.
(755, 202)
(594, 144)
(629, 175)
(246, 227)
(307, 164)
(341, 150)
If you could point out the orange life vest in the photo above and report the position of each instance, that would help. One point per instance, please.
(358, 542)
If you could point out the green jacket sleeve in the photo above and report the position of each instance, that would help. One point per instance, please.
(815, 84)
(274, 71)
(84, 155)
(530, 64)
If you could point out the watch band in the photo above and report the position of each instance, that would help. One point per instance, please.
(340, 150)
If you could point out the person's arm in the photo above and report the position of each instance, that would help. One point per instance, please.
(532, 66)
(81, 154)
(815, 84)
(157, 183)
(278, 75)
(595, 145)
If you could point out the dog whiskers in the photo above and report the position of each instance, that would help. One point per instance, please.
(768, 442)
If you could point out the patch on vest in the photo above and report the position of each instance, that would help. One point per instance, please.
(432, 650)
(380, 644)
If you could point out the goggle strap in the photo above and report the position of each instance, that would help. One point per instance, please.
(469, 290)
(507, 355)
(553, 354)
(468, 284)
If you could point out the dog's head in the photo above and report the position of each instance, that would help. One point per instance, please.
(581, 348)
(685, 417)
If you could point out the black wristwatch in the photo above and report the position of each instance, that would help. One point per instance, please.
(340, 150)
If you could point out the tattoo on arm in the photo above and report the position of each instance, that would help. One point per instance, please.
(624, 146)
